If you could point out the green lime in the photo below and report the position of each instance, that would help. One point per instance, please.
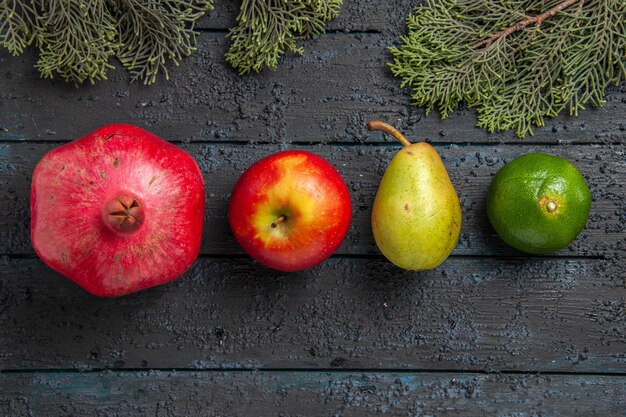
(538, 203)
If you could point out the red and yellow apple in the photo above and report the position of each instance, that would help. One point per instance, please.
(290, 210)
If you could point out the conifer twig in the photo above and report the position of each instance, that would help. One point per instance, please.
(76, 38)
(521, 25)
(266, 29)
(524, 74)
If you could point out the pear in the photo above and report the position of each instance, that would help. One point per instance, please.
(416, 218)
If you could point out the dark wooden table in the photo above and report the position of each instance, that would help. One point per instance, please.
(490, 332)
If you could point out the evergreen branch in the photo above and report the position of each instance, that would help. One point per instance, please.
(517, 61)
(152, 32)
(324, 11)
(529, 21)
(16, 26)
(269, 28)
(76, 38)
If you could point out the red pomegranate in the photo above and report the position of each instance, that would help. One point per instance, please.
(118, 210)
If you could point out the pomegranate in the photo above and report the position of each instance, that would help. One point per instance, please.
(117, 211)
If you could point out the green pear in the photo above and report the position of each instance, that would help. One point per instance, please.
(416, 218)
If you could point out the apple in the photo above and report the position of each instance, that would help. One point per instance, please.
(290, 210)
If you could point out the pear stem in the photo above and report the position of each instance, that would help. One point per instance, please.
(278, 221)
(388, 129)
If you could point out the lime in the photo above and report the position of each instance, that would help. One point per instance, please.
(538, 203)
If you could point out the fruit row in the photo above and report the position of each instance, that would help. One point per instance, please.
(121, 209)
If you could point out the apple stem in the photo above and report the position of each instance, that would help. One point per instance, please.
(278, 221)
(388, 129)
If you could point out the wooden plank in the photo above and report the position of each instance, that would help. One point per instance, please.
(192, 394)
(326, 96)
(471, 169)
(534, 314)
(355, 16)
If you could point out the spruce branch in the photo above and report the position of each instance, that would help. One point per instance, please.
(267, 29)
(516, 61)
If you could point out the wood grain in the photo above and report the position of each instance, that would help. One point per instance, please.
(325, 96)
(356, 16)
(533, 314)
(309, 394)
(353, 336)
(471, 169)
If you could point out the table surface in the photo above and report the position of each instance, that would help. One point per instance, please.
(490, 332)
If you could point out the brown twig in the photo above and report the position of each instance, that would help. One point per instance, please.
(535, 19)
